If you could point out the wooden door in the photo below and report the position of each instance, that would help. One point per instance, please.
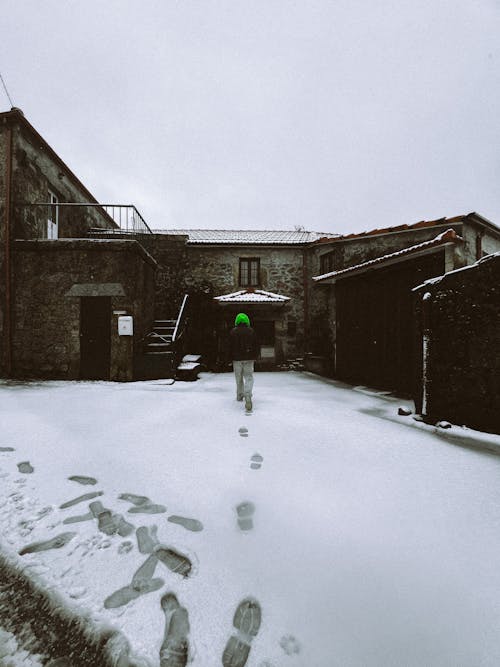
(95, 337)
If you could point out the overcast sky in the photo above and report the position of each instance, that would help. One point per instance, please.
(338, 116)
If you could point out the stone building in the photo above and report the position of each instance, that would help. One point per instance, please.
(88, 290)
(263, 273)
(361, 290)
(63, 293)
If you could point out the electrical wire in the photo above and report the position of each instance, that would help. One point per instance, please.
(6, 91)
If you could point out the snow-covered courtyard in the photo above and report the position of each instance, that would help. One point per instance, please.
(363, 537)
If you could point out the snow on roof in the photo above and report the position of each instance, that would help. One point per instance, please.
(449, 236)
(403, 228)
(252, 296)
(438, 279)
(244, 236)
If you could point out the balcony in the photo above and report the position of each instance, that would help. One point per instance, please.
(53, 220)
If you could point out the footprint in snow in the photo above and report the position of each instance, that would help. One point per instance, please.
(79, 517)
(109, 522)
(174, 651)
(246, 621)
(135, 500)
(128, 593)
(81, 479)
(81, 499)
(25, 467)
(189, 524)
(256, 462)
(243, 431)
(125, 547)
(7, 449)
(142, 504)
(147, 539)
(148, 509)
(174, 560)
(290, 644)
(245, 513)
(142, 583)
(55, 543)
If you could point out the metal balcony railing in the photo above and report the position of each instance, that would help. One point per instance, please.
(70, 219)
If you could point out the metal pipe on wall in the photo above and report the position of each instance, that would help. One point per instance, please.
(7, 331)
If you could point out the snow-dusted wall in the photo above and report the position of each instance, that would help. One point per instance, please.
(463, 367)
(49, 278)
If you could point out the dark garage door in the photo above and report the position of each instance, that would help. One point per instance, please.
(375, 327)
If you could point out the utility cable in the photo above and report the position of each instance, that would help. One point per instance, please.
(6, 91)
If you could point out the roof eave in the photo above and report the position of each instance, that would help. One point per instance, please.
(331, 280)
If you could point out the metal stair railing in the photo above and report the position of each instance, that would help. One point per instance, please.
(180, 320)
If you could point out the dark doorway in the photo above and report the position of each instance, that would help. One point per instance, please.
(95, 337)
(375, 324)
(265, 333)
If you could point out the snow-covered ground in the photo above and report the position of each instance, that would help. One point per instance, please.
(373, 543)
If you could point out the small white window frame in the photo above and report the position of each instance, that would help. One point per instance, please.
(52, 212)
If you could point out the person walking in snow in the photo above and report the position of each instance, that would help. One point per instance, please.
(244, 351)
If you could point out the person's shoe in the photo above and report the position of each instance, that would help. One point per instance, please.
(248, 404)
(239, 398)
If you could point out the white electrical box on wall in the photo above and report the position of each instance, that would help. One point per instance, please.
(125, 325)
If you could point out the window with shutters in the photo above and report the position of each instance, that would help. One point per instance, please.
(249, 271)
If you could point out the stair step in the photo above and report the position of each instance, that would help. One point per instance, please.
(164, 334)
(191, 357)
(188, 366)
(162, 330)
(165, 323)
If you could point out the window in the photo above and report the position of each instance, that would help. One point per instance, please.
(326, 263)
(52, 217)
(249, 271)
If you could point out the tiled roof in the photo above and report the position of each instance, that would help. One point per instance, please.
(244, 236)
(449, 236)
(252, 296)
(400, 228)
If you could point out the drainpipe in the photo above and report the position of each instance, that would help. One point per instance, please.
(305, 292)
(426, 335)
(7, 319)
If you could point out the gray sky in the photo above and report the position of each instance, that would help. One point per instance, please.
(339, 116)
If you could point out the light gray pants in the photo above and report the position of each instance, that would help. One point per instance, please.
(243, 373)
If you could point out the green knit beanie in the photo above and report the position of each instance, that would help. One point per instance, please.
(241, 318)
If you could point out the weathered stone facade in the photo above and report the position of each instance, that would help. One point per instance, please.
(345, 252)
(46, 285)
(49, 280)
(29, 170)
(172, 268)
(215, 269)
(461, 316)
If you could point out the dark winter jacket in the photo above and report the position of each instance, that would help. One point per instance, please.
(243, 343)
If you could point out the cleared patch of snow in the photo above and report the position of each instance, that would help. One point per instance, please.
(364, 541)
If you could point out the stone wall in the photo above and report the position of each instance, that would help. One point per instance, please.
(49, 278)
(346, 252)
(35, 169)
(215, 270)
(171, 255)
(462, 319)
